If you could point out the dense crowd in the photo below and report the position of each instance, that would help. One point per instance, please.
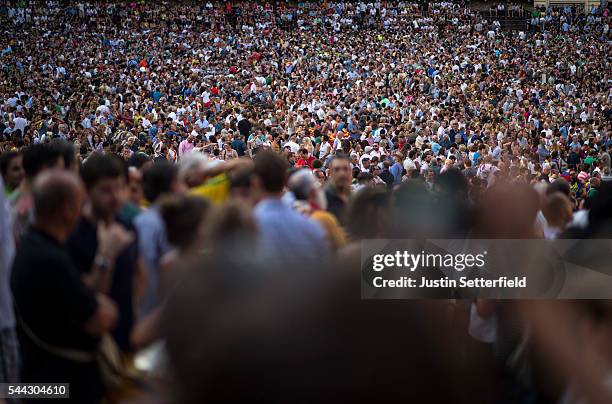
(142, 141)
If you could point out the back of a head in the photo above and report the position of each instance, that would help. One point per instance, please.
(38, 157)
(508, 211)
(52, 191)
(99, 166)
(368, 212)
(158, 179)
(190, 164)
(233, 225)
(138, 160)
(555, 206)
(65, 149)
(452, 182)
(271, 169)
(183, 216)
(301, 184)
(559, 185)
(319, 358)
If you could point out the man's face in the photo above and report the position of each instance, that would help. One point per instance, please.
(595, 182)
(135, 187)
(340, 173)
(105, 196)
(14, 172)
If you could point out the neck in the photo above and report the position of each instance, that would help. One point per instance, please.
(57, 231)
(271, 195)
(90, 214)
(342, 190)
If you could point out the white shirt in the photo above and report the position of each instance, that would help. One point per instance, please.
(20, 123)
(294, 146)
(325, 149)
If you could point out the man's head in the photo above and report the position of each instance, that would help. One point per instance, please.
(68, 153)
(192, 169)
(104, 178)
(366, 163)
(306, 187)
(557, 210)
(269, 174)
(340, 172)
(11, 166)
(135, 193)
(57, 196)
(159, 179)
(39, 157)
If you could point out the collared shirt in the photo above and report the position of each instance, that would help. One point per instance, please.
(185, 147)
(288, 238)
(153, 245)
(335, 204)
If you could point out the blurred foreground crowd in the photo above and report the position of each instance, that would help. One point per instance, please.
(186, 186)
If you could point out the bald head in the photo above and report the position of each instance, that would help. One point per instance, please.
(54, 193)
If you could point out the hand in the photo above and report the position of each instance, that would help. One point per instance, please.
(112, 240)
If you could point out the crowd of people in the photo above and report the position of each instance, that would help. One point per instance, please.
(163, 163)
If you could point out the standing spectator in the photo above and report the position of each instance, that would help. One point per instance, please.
(11, 166)
(286, 236)
(36, 159)
(338, 189)
(104, 178)
(67, 317)
(158, 180)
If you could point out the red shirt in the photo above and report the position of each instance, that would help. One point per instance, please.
(305, 162)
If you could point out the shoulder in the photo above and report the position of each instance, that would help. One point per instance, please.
(48, 259)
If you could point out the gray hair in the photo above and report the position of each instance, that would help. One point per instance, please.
(301, 183)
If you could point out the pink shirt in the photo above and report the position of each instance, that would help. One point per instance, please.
(185, 147)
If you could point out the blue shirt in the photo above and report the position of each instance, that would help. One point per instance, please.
(288, 238)
(153, 245)
(435, 148)
(397, 170)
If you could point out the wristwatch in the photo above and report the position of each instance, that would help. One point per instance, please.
(101, 262)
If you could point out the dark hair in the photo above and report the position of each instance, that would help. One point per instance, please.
(5, 160)
(183, 216)
(272, 169)
(138, 160)
(65, 149)
(452, 181)
(158, 179)
(559, 185)
(99, 166)
(37, 157)
(368, 212)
